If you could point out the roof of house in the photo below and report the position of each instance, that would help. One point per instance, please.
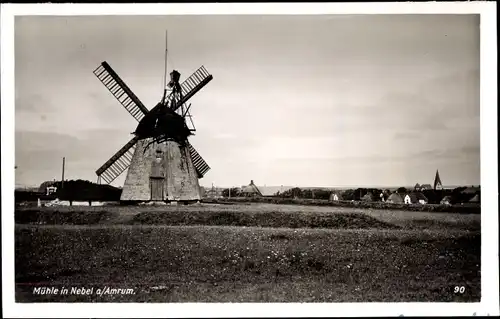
(475, 199)
(415, 197)
(44, 185)
(471, 190)
(428, 186)
(272, 190)
(213, 191)
(395, 197)
(368, 196)
(251, 189)
(446, 198)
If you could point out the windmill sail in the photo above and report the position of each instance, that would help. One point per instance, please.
(199, 163)
(437, 181)
(118, 163)
(120, 91)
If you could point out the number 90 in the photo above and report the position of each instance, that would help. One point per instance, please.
(460, 289)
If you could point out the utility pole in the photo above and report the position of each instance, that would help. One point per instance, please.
(62, 179)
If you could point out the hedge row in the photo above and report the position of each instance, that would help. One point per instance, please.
(463, 209)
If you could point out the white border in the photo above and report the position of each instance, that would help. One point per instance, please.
(489, 304)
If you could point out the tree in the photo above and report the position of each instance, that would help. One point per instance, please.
(359, 193)
(402, 190)
(235, 192)
(348, 194)
(292, 193)
(322, 194)
(82, 190)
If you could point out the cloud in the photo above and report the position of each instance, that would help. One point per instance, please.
(33, 103)
(409, 135)
(39, 154)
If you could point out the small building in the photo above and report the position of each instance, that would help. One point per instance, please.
(368, 197)
(424, 187)
(213, 192)
(395, 198)
(415, 198)
(51, 190)
(384, 195)
(250, 190)
(447, 200)
(267, 191)
(475, 199)
(335, 197)
(47, 187)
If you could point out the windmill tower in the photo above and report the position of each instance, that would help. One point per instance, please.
(162, 164)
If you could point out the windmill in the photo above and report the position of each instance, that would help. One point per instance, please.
(162, 164)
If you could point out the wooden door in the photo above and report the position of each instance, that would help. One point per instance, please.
(157, 188)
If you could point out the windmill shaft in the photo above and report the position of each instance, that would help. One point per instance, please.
(190, 87)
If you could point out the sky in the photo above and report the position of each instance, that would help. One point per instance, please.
(319, 100)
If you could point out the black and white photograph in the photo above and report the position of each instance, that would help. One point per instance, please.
(288, 157)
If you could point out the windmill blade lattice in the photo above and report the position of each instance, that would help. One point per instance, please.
(120, 91)
(199, 163)
(191, 85)
(118, 163)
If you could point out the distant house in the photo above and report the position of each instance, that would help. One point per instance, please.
(368, 197)
(268, 191)
(425, 187)
(334, 197)
(471, 191)
(250, 190)
(395, 198)
(475, 199)
(213, 192)
(51, 190)
(447, 200)
(415, 198)
(43, 187)
(384, 196)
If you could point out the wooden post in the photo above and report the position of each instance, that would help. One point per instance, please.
(62, 179)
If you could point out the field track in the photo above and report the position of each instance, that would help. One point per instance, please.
(227, 253)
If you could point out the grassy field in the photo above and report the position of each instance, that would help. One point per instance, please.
(247, 253)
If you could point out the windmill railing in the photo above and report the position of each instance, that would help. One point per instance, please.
(191, 86)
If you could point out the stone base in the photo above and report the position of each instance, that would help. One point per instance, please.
(164, 172)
